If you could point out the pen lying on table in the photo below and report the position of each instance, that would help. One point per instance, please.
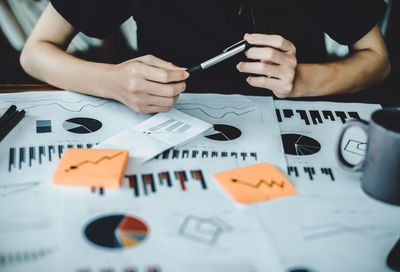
(9, 120)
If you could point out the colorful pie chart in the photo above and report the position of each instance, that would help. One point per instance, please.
(116, 231)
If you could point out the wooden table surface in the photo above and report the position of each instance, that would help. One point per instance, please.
(14, 88)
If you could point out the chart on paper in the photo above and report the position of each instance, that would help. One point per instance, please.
(309, 134)
(239, 125)
(56, 121)
(116, 231)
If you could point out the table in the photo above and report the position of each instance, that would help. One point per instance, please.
(12, 88)
(283, 214)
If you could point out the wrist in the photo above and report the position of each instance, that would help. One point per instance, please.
(101, 77)
(313, 80)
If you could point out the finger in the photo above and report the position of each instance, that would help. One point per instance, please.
(268, 54)
(143, 104)
(263, 82)
(159, 74)
(157, 62)
(260, 68)
(160, 101)
(280, 88)
(154, 109)
(275, 41)
(160, 89)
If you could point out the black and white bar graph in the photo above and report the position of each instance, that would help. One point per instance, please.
(31, 156)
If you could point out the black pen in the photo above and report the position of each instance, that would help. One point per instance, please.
(7, 115)
(227, 53)
(16, 116)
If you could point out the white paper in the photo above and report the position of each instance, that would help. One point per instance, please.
(53, 122)
(157, 134)
(194, 224)
(246, 129)
(332, 233)
(29, 227)
(310, 132)
(196, 228)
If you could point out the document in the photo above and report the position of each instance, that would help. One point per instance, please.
(245, 129)
(310, 132)
(332, 233)
(157, 134)
(163, 211)
(170, 208)
(168, 194)
(55, 121)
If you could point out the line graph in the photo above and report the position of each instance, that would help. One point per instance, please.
(61, 104)
(215, 108)
(215, 116)
(76, 166)
(270, 184)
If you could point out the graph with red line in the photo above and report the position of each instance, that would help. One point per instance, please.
(150, 183)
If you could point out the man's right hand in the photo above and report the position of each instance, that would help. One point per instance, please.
(147, 84)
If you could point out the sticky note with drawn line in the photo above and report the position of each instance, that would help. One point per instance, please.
(255, 183)
(91, 167)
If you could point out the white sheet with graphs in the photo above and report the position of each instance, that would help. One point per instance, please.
(309, 133)
(160, 132)
(170, 214)
(158, 220)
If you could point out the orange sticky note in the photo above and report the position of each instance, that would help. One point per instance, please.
(255, 183)
(91, 167)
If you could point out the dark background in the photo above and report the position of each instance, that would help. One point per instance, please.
(114, 50)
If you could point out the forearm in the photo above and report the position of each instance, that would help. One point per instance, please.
(357, 72)
(49, 63)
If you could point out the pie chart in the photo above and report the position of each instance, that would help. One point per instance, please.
(82, 125)
(116, 231)
(224, 133)
(300, 145)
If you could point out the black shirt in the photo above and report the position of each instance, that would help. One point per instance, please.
(187, 32)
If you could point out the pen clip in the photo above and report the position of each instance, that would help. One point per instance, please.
(235, 45)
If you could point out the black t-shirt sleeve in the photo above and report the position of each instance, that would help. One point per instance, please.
(95, 18)
(345, 21)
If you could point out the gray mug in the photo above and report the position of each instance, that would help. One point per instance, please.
(381, 165)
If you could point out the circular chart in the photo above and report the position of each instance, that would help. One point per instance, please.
(300, 145)
(224, 133)
(116, 231)
(82, 125)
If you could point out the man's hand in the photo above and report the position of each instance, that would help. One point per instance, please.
(148, 84)
(276, 63)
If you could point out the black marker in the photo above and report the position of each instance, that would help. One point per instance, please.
(11, 121)
(227, 53)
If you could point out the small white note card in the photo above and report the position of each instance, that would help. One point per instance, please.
(157, 134)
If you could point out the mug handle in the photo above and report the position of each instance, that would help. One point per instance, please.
(342, 161)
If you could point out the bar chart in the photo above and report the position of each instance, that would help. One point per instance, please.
(176, 154)
(31, 156)
(316, 117)
(24, 256)
(151, 183)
